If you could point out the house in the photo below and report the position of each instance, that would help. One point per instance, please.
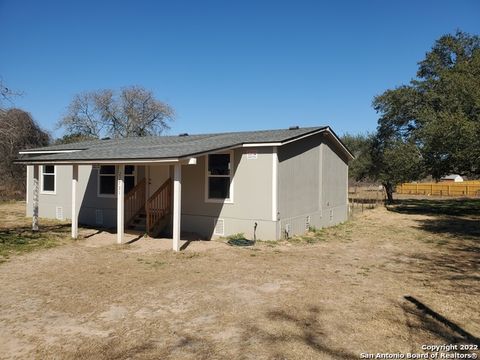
(266, 184)
(452, 178)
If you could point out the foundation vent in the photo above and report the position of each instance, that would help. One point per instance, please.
(59, 213)
(219, 227)
(99, 216)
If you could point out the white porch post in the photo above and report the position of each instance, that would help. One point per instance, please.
(120, 203)
(74, 202)
(35, 198)
(177, 205)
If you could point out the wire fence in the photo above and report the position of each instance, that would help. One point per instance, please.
(361, 199)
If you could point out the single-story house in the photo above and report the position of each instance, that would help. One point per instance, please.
(266, 184)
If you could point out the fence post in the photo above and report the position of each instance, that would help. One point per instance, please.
(448, 190)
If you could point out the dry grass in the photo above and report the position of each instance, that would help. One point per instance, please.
(354, 290)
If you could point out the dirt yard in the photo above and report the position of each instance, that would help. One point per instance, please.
(388, 281)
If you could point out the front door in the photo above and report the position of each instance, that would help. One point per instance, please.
(158, 175)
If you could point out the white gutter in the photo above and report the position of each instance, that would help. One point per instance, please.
(48, 151)
(94, 162)
(261, 144)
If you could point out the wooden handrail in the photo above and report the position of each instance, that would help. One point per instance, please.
(135, 200)
(159, 204)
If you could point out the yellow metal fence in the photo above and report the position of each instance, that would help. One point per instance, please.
(466, 188)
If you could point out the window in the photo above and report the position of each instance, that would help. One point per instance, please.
(219, 177)
(48, 179)
(106, 180)
(129, 178)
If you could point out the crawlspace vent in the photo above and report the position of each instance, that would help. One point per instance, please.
(59, 213)
(219, 227)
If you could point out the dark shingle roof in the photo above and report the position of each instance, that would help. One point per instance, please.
(162, 147)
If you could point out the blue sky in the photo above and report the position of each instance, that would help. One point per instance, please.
(225, 65)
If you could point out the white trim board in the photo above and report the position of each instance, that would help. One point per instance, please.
(47, 192)
(274, 184)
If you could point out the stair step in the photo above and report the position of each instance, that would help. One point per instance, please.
(136, 228)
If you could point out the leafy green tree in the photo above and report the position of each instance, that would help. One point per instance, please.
(436, 117)
(394, 161)
(360, 145)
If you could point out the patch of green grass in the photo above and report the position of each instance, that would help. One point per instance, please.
(238, 236)
(14, 242)
(313, 236)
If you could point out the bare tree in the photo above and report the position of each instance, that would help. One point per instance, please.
(134, 111)
(6, 93)
(17, 131)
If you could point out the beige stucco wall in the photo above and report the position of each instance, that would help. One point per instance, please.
(87, 199)
(252, 197)
(63, 191)
(312, 178)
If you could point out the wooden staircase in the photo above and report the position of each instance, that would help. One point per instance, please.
(153, 215)
(138, 222)
(158, 209)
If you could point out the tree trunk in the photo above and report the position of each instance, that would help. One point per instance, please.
(389, 191)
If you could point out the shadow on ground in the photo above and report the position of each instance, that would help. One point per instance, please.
(296, 328)
(454, 217)
(421, 318)
(452, 207)
(452, 228)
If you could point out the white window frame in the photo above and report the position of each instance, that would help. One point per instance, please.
(116, 179)
(135, 170)
(232, 167)
(47, 192)
(99, 194)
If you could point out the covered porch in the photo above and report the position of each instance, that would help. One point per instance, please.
(154, 199)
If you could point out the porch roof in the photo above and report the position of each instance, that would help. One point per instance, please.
(167, 148)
